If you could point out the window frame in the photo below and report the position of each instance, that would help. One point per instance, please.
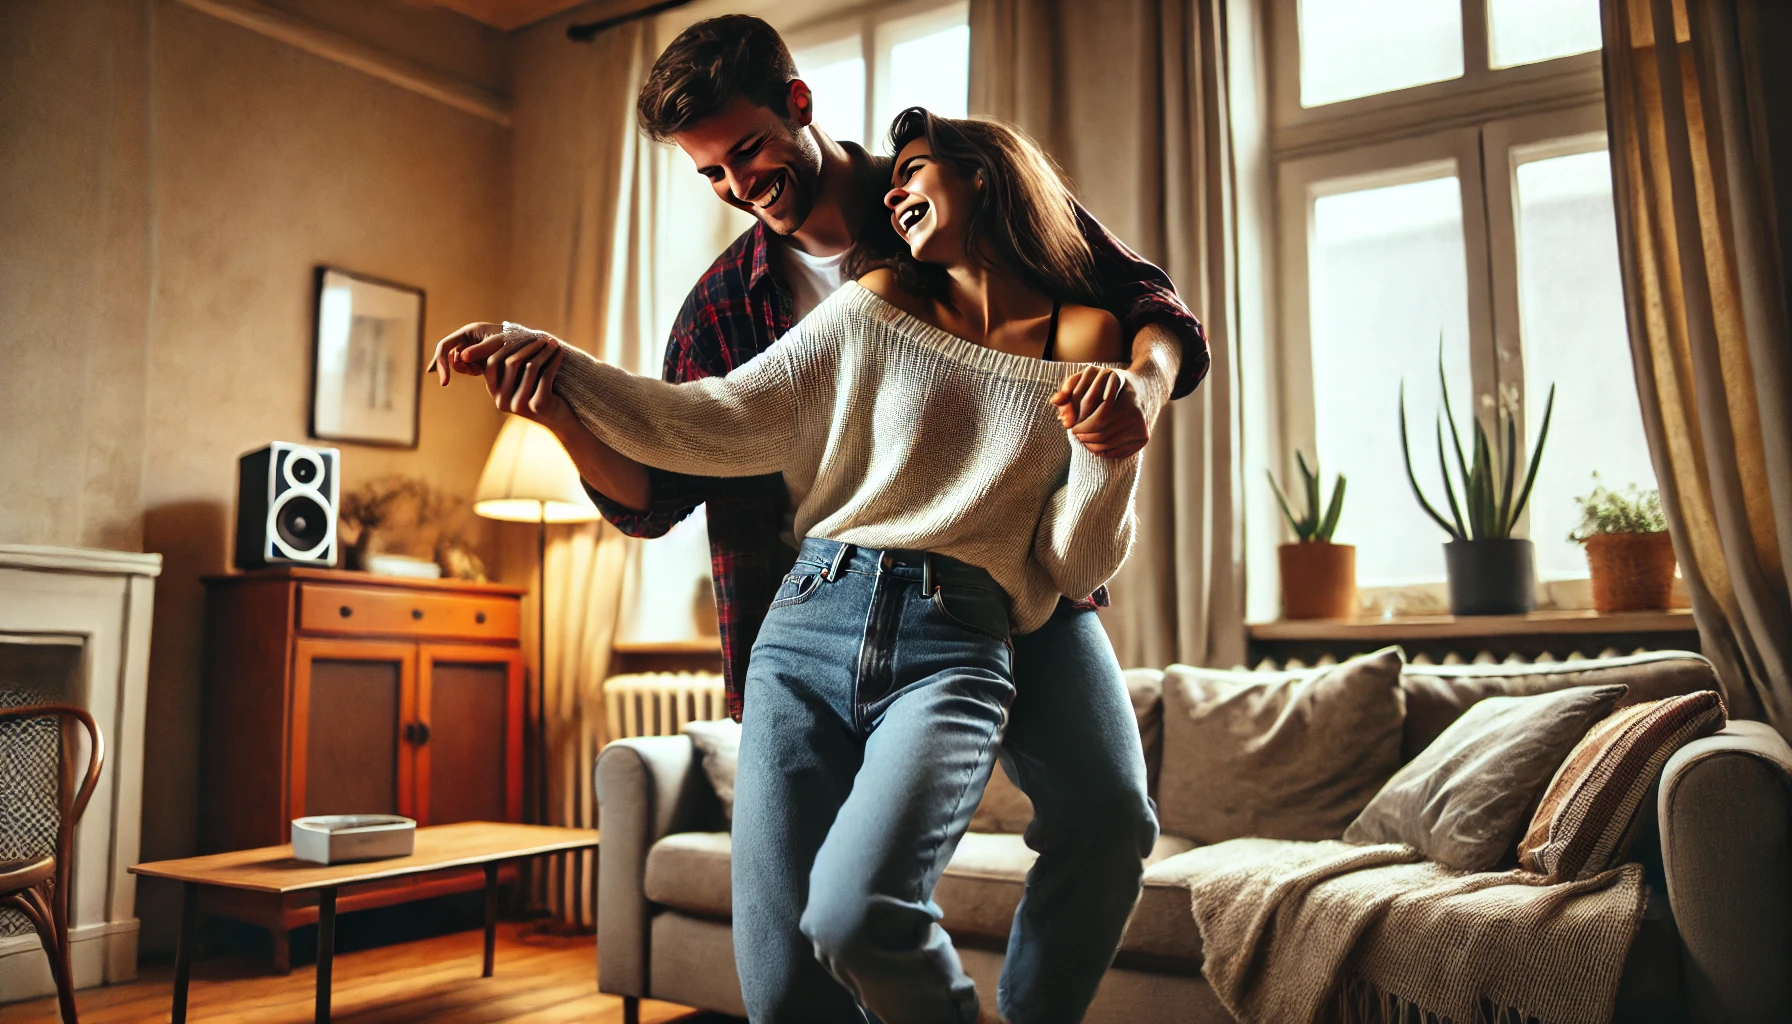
(1482, 90)
(878, 28)
(1485, 123)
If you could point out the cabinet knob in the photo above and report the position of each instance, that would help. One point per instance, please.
(345, 611)
(479, 617)
(416, 613)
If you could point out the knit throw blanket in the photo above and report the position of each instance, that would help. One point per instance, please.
(1296, 931)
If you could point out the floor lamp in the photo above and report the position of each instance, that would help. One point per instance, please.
(529, 478)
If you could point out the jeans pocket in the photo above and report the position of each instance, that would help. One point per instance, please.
(796, 588)
(977, 609)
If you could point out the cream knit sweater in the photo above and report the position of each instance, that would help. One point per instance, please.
(891, 433)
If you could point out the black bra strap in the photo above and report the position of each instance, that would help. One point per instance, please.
(1051, 332)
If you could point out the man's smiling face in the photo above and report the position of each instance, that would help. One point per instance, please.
(759, 161)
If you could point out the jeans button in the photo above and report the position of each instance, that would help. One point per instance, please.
(887, 562)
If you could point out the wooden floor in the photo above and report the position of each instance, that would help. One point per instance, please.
(539, 979)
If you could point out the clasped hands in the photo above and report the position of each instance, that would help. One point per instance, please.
(1097, 404)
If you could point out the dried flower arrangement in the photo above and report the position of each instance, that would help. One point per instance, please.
(403, 515)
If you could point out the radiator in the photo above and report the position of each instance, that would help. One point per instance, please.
(1451, 658)
(659, 703)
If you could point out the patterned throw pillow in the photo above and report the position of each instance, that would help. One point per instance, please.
(1589, 812)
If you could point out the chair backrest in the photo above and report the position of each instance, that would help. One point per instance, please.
(35, 754)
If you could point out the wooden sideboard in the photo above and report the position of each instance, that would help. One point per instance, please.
(333, 692)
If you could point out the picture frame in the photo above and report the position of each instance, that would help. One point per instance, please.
(366, 360)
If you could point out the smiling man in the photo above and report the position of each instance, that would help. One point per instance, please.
(727, 93)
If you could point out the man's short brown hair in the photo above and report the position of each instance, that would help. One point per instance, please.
(709, 64)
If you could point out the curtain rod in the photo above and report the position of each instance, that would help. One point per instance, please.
(590, 30)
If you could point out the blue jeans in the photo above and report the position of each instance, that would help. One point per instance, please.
(1073, 747)
(874, 717)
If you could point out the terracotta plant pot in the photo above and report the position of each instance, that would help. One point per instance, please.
(1631, 571)
(1318, 580)
(1492, 576)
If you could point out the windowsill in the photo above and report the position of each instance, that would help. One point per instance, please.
(1553, 622)
(694, 645)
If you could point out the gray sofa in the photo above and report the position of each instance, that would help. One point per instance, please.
(1716, 944)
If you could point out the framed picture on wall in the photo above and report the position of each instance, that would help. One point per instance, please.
(367, 360)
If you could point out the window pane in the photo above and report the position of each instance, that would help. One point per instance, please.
(1351, 48)
(1571, 317)
(835, 74)
(1388, 273)
(1526, 31)
(931, 71)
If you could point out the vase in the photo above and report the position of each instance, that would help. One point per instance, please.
(1493, 576)
(1631, 571)
(1318, 580)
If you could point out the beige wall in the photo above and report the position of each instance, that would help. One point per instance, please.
(168, 182)
(74, 274)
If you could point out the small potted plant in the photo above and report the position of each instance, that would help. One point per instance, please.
(1628, 548)
(1491, 572)
(1318, 577)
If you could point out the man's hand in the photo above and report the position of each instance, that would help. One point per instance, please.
(1101, 410)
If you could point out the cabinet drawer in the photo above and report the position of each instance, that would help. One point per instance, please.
(376, 611)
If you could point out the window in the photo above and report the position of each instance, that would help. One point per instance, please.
(865, 69)
(1443, 194)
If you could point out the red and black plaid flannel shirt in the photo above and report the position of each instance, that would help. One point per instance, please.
(736, 311)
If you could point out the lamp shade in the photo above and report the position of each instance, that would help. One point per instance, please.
(529, 478)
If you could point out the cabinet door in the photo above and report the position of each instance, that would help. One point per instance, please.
(470, 766)
(351, 700)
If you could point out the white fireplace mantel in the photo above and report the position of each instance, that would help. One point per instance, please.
(100, 601)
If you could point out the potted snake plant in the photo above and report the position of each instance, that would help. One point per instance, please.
(1318, 576)
(1491, 572)
(1628, 548)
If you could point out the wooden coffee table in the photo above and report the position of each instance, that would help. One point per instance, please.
(274, 869)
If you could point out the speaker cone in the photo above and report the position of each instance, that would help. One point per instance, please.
(302, 522)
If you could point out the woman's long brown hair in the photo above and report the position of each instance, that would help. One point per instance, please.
(1024, 221)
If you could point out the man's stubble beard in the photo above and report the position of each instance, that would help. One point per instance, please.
(805, 183)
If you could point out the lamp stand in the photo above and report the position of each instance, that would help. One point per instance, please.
(540, 810)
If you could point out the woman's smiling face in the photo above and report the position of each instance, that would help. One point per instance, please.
(930, 204)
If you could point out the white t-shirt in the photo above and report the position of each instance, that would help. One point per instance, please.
(811, 279)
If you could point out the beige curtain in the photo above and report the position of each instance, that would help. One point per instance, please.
(1703, 183)
(609, 231)
(576, 271)
(1133, 98)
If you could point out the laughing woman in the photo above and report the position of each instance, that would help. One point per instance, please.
(944, 509)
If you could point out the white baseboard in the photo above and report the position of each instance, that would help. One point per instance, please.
(101, 954)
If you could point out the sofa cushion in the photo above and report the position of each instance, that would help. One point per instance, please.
(1277, 755)
(691, 871)
(1463, 801)
(1146, 688)
(1589, 813)
(1004, 808)
(1163, 924)
(983, 884)
(1437, 694)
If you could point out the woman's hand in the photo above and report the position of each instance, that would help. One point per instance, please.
(518, 365)
(1100, 409)
(451, 352)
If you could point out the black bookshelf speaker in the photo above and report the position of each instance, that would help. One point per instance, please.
(286, 506)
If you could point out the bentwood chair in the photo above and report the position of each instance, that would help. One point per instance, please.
(35, 744)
